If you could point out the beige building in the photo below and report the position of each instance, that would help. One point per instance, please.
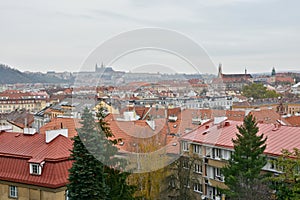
(12, 100)
(208, 148)
(34, 166)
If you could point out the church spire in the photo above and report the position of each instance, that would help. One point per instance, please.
(273, 72)
(220, 71)
(96, 67)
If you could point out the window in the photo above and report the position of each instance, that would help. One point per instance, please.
(198, 168)
(186, 183)
(185, 163)
(197, 149)
(13, 191)
(185, 146)
(208, 151)
(217, 153)
(218, 175)
(198, 187)
(35, 169)
(66, 195)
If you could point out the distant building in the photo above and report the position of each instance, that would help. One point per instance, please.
(231, 82)
(295, 89)
(11, 100)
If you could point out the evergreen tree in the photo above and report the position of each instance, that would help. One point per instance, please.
(242, 173)
(96, 171)
(116, 179)
(87, 178)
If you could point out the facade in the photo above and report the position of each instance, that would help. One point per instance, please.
(292, 108)
(231, 82)
(34, 166)
(16, 100)
(212, 146)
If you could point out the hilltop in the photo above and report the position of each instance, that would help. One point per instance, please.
(9, 75)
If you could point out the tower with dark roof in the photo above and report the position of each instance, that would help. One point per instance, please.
(273, 72)
(220, 71)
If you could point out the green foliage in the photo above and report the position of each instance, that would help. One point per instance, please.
(242, 173)
(258, 91)
(287, 183)
(89, 177)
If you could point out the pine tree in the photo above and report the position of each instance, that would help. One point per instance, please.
(116, 179)
(243, 171)
(87, 178)
(96, 171)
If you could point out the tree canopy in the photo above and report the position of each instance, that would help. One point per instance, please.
(258, 91)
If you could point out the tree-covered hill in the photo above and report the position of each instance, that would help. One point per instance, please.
(10, 76)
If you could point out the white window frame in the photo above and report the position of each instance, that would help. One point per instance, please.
(185, 146)
(217, 153)
(197, 149)
(198, 188)
(198, 168)
(218, 175)
(35, 169)
(13, 191)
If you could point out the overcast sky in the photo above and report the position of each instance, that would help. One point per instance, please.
(60, 35)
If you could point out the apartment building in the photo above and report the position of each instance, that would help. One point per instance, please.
(212, 146)
(11, 100)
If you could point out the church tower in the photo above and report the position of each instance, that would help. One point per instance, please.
(273, 72)
(96, 67)
(220, 71)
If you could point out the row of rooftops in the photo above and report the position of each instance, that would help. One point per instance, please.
(164, 127)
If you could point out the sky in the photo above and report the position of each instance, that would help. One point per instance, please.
(61, 35)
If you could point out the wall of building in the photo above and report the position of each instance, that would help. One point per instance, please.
(26, 192)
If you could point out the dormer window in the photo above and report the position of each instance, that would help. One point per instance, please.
(35, 169)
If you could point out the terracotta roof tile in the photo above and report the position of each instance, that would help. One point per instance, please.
(57, 123)
(17, 150)
(285, 137)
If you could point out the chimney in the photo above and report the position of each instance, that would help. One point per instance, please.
(227, 124)
(52, 134)
(25, 122)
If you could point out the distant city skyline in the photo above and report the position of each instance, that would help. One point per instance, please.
(59, 36)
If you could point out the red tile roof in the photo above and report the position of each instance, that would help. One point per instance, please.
(17, 150)
(267, 116)
(58, 123)
(293, 120)
(285, 137)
